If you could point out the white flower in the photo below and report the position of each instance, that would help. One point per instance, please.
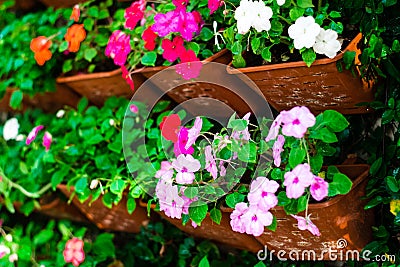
(281, 2)
(327, 43)
(9, 238)
(4, 250)
(304, 32)
(244, 16)
(10, 130)
(60, 113)
(262, 15)
(111, 122)
(94, 183)
(13, 257)
(20, 137)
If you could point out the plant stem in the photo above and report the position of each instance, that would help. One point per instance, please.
(319, 5)
(303, 141)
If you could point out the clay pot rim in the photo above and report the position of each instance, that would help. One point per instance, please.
(352, 46)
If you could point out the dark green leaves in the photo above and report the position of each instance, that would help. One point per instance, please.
(341, 184)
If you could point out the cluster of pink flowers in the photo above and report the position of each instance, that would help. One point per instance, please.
(47, 137)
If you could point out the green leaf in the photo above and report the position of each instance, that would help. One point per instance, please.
(95, 139)
(103, 246)
(57, 178)
(82, 104)
(204, 262)
(341, 184)
(296, 156)
(149, 58)
(296, 13)
(335, 121)
(266, 54)
(273, 225)
(302, 203)
(248, 152)
(238, 61)
(316, 163)
(206, 34)
(396, 46)
(198, 211)
(260, 264)
(43, 237)
(233, 199)
(388, 116)
(334, 14)
(90, 54)
(67, 66)
(392, 184)
(348, 59)
(16, 99)
(309, 56)
(373, 202)
(237, 48)
(305, 3)
(324, 134)
(255, 44)
(194, 46)
(117, 186)
(81, 185)
(376, 166)
(216, 215)
(93, 11)
(131, 205)
(389, 2)
(191, 192)
(63, 47)
(238, 124)
(88, 23)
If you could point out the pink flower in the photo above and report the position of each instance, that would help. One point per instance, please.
(255, 220)
(166, 172)
(236, 217)
(199, 20)
(33, 133)
(134, 14)
(213, 5)
(134, 109)
(127, 77)
(186, 166)
(262, 193)
(118, 47)
(73, 251)
(4, 250)
(296, 121)
(211, 165)
(222, 169)
(187, 201)
(172, 204)
(170, 127)
(307, 224)
(47, 139)
(149, 38)
(319, 188)
(172, 49)
(190, 65)
(164, 24)
(13, 257)
(297, 180)
(180, 4)
(242, 135)
(179, 146)
(277, 150)
(194, 132)
(188, 25)
(274, 130)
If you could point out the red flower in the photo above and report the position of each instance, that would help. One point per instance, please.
(149, 38)
(170, 127)
(174, 49)
(213, 5)
(40, 46)
(190, 65)
(73, 251)
(199, 20)
(134, 14)
(127, 76)
(76, 12)
(180, 4)
(74, 36)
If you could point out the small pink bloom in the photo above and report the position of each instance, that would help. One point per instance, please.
(188, 24)
(236, 217)
(118, 47)
(180, 4)
(180, 145)
(296, 121)
(166, 172)
(186, 166)
(134, 109)
(222, 169)
(32, 135)
(47, 139)
(213, 5)
(172, 49)
(194, 132)
(190, 65)
(127, 77)
(274, 130)
(297, 180)
(13, 257)
(134, 14)
(187, 201)
(4, 250)
(149, 38)
(307, 224)
(173, 204)
(277, 150)
(73, 251)
(255, 220)
(211, 165)
(199, 20)
(319, 188)
(242, 135)
(165, 24)
(262, 193)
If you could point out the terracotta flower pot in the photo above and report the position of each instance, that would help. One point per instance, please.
(115, 219)
(318, 87)
(61, 3)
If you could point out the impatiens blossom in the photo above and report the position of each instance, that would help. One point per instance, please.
(165, 24)
(306, 224)
(277, 149)
(33, 133)
(194, 132)
(297, 180)
(255, 220)
(296, 121)
(262, 193)
(118, 47)
(180, 4)
(319, 188)
(40, 47)
(236, 217)
(186, 166)
(190, 65)
(171, 203)
(134, 109)
(166, 172)
(74, 36)
(262, 15)
(222, 169)
(13, 257)
(304, 32)
(76, 12)
(4, 250)
(73, 251)
(170, 127)
(180, 145)
(327, 43)
(172, 49)
(280, 2)
(244, 134)
(134, 14)
(253, 14)
(188, 25)
(127, 77)
(213, 5)
(149, 38)
(10, 129)
(244, 16)
(47, 139)
(199, 20)
(274, 130)
(211, 165)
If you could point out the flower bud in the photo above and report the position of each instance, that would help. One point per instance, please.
(94, 184)
(112, 122)
(60, 113)
(9, 238)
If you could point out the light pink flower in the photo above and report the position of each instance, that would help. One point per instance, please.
(118, 47)
(274, 130)
(262, 193)
(306, 224)
(134, 109)
(166, 172)
(134, 14)
(236, 217)
(296, 121)
(222, 169)
(13, 257)
(73, 251)
(173, 203)
(211, 165)
(186, 166)
(255, 220)
(244, 134)
(4, 250)
(180, 145)
(33, 133)
(319, 188)
(277, 150)
(186, 201)
(194, 132)
(47, 139)
(297, 180)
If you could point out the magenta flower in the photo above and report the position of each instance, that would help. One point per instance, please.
(127, 77)
(296, 121)
(297, 180)
(164, 24)
(211, 165)
(242, 135)
(274, 130)
(180, 144)
(134, 109)
(173, 203)
(33, 133)
(199, 20)
(118, 47)
(166, 172)
(188, 25)
(180, 4)
(277, 150)
(172, 49)
(149, 38)
(194, 132)
(186, 166)
(307, 224)
(213, 5)
(73, 251)
(134, 14)
(236, 217)
(319, 188)
(255, 220)
(47, 139)
(190, 65)
(262, 193)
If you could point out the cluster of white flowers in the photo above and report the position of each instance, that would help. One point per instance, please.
(253, 14)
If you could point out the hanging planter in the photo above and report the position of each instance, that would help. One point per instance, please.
(318, 87)
(115, 219)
